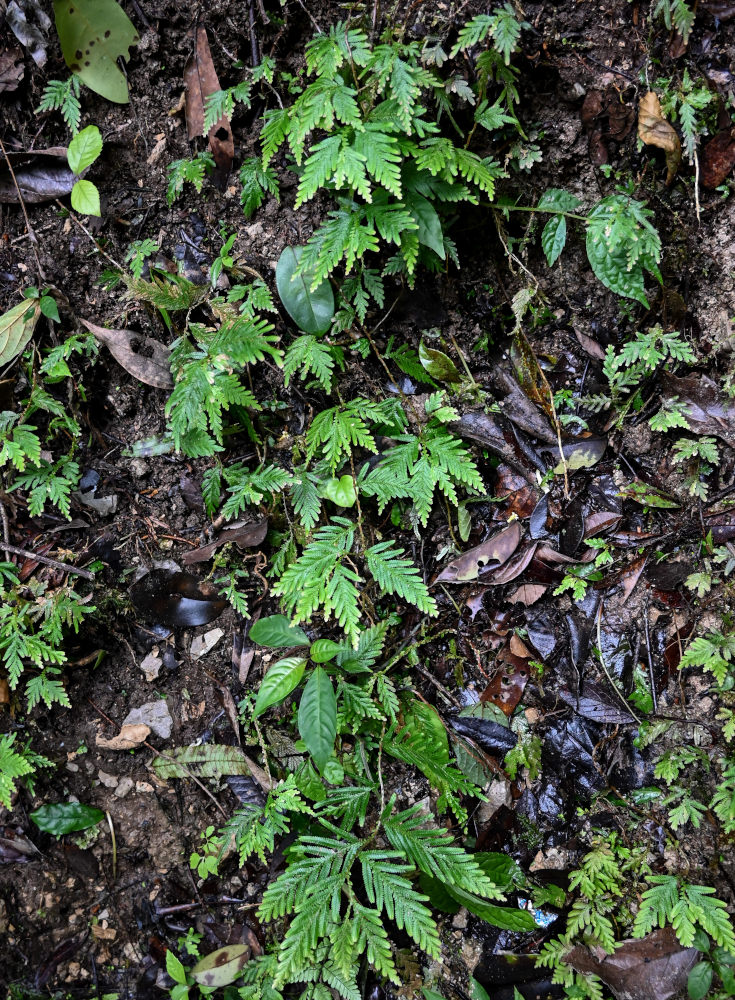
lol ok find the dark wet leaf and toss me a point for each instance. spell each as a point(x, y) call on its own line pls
point(59, 818)
point(247, 791)
point(200, 79)
point(718, 159)
point(487, 733)
point(485, 430)
point(143, 357)
point(655, 967)
point(62, 953)
point(176, 600)
point(520, 498)
point(580, 454)
point(707, 411)
point(539, 517)
point(310, 309)
point(276, 632)
point(513, 567)
point(597, 523)
point(246, 535)
point(597, 704)
point(512, 671)
point(30, 24)
point(15, 846)
point(569, 752)
point(491, 553)
point(519, 409)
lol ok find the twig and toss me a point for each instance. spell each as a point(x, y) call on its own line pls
point(650, 660)
point(6, 530)
point(437, 684)
point(47, 561)
point(31, 234)
point(114, 845)
point(89, 236)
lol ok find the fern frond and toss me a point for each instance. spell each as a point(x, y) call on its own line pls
point(396, 575)
point(386, 887)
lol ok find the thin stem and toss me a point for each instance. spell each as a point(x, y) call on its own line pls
point(27, 554)
point(531, 208)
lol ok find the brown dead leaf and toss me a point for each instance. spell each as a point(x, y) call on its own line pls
point(718, 158)
point(42, 175)
point(11, 69)
point(655, 967)
point(200, 79)
point(488, 555)
point(512, 671)
point(124, 346)
point(654, 130)
point(528, 593)
point(708, 412)
point(246, 535)
point(129, 737)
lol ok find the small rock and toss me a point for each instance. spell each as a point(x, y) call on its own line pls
point(72, 767)
point(125, 785)
point(154, 714)
point(139, 467)
point(151, 665)
point(142, 787)
point(460, 919)
point(108, 780)
point(203, 644)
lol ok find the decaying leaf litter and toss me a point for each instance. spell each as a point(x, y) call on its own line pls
point(503, 638)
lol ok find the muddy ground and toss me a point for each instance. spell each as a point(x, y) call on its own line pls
point(120, 917)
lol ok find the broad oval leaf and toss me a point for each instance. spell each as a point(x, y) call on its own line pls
point(324, 650)
point(58, 818)
point(16, 328)
point(311, 310)
point(699, 981)
point(430, 227)
point(438, 364)
point(93, 34)
point(84, 148)
point(279, 682)
point(276, 631)
point(318, 717)
point(221, 967)
point(85, 198)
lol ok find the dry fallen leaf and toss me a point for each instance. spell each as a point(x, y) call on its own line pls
point(482, 558)
point(654, 130)
point(124, 346)
point(128, 738)
point(41, 175)
point(200, 79)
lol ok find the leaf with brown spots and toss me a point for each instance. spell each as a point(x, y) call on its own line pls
point(221, 967)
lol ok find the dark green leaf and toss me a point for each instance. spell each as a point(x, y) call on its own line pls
point(430, 227)
point(66, 817)
point(503, 871)
point(557, 200)
point(553, 238)
point(318, 717)
point(324, 650)
point(279, 682)
point(311, 311)
point(49, 308)
point(438, 364)
point(276, 632)
point(478, 992)
point(699, 981)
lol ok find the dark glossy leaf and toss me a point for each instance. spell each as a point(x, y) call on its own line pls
point(490, 735)
point(276, 632)
point(597, 704)
point(176, 600)
point(438, 364)
point(66, 817)
point(311, 311)
point(430, 228)
point(699, 981)
point(707, 411)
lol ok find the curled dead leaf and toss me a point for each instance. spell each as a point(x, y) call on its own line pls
point(654, 130)
point(488, 555)
point(129, 737)
point(125, 345)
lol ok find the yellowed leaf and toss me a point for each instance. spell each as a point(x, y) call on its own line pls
point(654, 130)
point(128, 738)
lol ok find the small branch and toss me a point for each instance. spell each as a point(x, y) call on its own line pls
point(47, 561)
point(31, 233)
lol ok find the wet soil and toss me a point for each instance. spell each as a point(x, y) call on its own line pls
point(121, 906)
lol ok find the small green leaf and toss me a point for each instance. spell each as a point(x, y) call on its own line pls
point(85, 198)
point(477, 991)
point(430, 227)
point(84, 149)
point(279, 682)
point(500, 868)
point(175, 969)
point(276, 631)
point(221, 967)
point(553, 238)
point(431, 994)
point(699, 981)
point(49, 308)
point(438, 364)
point(66, 817)
point(340, 491)
point(93, 34)
point(318, 717)
point(324, 650)
point(16, 329)
point(311, 311)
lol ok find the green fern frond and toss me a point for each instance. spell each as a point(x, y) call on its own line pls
point(396, 575)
